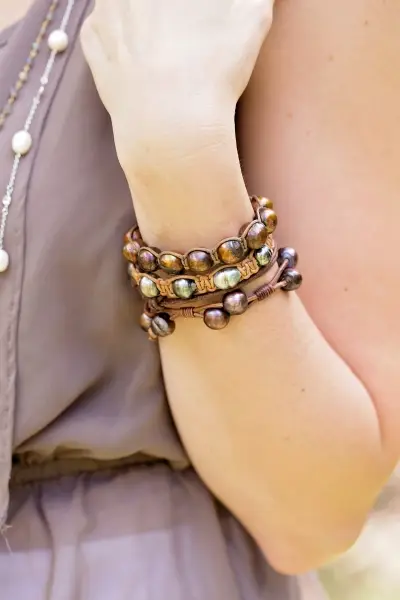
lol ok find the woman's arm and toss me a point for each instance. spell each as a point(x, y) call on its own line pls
point(275, 421)
point(319, 130)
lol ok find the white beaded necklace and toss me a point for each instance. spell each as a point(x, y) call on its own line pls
point(22, 140)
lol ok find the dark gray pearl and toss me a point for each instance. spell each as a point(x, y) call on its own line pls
point(288, 254)
point(235, 303)
point(215, 318)
point(162, 325)
point(292, 278)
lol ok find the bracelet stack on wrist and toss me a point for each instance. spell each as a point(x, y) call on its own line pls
point(204, 283)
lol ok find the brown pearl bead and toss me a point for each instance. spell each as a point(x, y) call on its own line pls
point(127, 238)
point(162, 326)
point(145, 322)
point(292, 278)
point(265, 202)
point(199, 261)
point(215, 318)
point(269, 218)
point(152, 336)
point(236, 303)
point(171, 264)
point(257, 236)
point(289, 255)
point(130, 251)
point(131, 271)
point(147, 260)
point(231, 252)
point(136, 235)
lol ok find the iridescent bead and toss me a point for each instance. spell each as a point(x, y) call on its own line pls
point(288, 254)
point(170, 263)
point(147, 260)
point(152, 336)
point(265, 202)
point(162, 326)
point(184, 288)
point(231, 252)
point(131, 271)
point(257, 236)
point(199, 261)
point(292, 278)
point(135, 234)
point(261, 202)
point(227, 278)
point(216, 318)
point(269, 218)
point(235, 303)
point(130, 251)
point(148, 288)
point(145, 322)
point(263, 256)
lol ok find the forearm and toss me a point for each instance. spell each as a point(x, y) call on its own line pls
point(275, 422)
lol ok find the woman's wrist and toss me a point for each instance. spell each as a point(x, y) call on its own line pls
point(189, 188)
point(172, 129)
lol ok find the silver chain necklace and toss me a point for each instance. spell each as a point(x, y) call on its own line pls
point(22, 140)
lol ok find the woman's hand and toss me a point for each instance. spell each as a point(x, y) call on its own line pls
point(159, 65)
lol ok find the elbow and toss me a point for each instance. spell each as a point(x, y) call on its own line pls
point(297, 555)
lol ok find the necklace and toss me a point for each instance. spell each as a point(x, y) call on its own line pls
point(24, 73)
point(22, 140)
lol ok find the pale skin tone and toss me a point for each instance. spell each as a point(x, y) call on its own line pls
point(290, 415)
point(10, 12)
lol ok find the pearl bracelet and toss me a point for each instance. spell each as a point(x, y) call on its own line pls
point(203, 283)
point(222, 278)
point(229, 251)
point(159, 316)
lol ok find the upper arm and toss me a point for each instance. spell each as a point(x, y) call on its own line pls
point(319, 132)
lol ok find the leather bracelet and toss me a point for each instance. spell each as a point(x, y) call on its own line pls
point(159, 317)
point(222, 278)
point(229, 251)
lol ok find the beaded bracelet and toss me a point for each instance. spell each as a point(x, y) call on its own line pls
point(191, 285)
point(229, 251)
point(222, 278)
point(158, 319)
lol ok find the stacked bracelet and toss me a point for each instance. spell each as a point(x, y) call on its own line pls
point(203, 283)
point(229, 251)
point(187, 286)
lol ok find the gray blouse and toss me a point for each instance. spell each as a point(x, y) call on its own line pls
point(78, 378)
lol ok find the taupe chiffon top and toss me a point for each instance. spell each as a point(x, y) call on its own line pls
point(78, 378)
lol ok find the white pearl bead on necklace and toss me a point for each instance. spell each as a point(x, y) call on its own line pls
point(21, 142)
point(58, 40)
point(4, 261)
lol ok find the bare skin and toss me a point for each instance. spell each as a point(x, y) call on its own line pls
point(320, 132)
point(277, 416)
point(10, 12)
point(300, 449)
